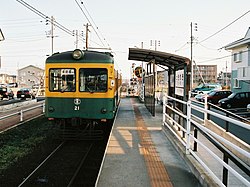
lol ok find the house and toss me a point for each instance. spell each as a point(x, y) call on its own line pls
point(30, 76)
point(240, 63)
point(6, 79)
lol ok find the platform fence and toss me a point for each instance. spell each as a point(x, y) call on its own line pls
point(212, 140)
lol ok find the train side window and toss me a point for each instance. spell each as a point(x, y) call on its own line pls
point(62, 80)
point(93, 79)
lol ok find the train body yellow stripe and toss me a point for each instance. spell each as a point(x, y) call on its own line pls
point(111, 76)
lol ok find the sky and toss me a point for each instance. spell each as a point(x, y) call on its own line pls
point(121, 25)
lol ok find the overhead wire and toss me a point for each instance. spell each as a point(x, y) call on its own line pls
point(55, 23)
point(181, 48)
point(91, 21)
point(214, 59)
point(94, 23)
point(225, 27)
point(219, 58)
point(208, 48)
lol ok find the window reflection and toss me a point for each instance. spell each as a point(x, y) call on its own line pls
point(93, 80)
point(62, 80)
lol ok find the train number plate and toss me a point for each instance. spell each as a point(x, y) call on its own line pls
point(77, 107)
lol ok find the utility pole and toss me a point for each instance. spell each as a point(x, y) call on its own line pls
point(75, 32)
point(76, 39)
point(155, 44)
point(155, 67)
point(87, 35)
point(52, 35)
point(191, 58)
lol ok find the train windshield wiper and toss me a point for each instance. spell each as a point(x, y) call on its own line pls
point(91, 91)
point(64, 89)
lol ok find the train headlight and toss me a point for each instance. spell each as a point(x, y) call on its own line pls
point(103, 110)
point(51, 109)
point(77, 54)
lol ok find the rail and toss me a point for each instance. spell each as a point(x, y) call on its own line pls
point(185, 126)
point(21, 112)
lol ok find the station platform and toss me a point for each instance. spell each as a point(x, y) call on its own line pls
point(140, 154)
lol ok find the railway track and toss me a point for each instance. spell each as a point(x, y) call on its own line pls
point(64, 165)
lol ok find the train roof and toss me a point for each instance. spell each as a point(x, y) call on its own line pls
point(88, 57)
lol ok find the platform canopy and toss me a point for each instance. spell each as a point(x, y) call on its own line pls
point(178, 68)
point(161, 58)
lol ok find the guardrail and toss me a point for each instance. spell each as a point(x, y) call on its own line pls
point(21, 112)
point(184, 125)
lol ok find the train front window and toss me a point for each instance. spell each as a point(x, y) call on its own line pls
point(62, 80)
point(93, 80)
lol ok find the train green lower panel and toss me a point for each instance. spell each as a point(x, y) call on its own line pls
point(80, 108)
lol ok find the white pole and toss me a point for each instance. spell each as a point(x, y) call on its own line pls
point(206, 108)
point(188, 126)
point(21, 115)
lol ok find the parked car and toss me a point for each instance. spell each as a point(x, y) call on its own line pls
point(235, 100)
point(205, 88)
point(6, 92)
point(216, 95)
point(12, 85)
point(248, 107)
point(24, 93)
point(3, 85)
point(199, 97)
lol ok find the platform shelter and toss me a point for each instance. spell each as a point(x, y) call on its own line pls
point(179, 71)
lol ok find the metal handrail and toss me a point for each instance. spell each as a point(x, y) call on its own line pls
point(229, 114)
point(22, 111)
point(216, 139)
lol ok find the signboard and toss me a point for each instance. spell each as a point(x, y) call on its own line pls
point(179, 83)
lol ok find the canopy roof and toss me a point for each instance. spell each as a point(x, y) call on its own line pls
point(162, 58)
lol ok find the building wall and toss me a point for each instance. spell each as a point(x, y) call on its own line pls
point(208, 73)
point(224, 78)
point(240, 63)
point(248, 56)
point(244, 62)
point(5, 78)
point(239, 84)
point(29, 76)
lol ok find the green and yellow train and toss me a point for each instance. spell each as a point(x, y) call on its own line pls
point(81, 87)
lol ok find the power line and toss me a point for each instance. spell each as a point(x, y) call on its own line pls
point(181, 48)
point(214, 59)
point(94, 23)
point(219, 58)
point(91, 22)
point(56, 24)
point(207, 47)
point(225, 27)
